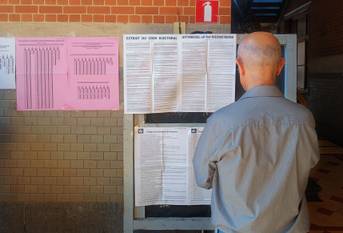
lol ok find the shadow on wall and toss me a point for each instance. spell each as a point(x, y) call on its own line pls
point(325, 101)
point(60, 218)
point(7, 103)
point(18, 215)
point(8, 117)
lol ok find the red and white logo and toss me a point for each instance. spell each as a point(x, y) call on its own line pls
point(207, 11)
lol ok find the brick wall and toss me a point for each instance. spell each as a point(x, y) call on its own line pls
point(60, 171)
point(110, 11)
point(63, 171)
point(59, 156)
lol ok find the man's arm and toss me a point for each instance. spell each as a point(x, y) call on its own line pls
point(307, 152)
point(204, 161)
point(313, 146)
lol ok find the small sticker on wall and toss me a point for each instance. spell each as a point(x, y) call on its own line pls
point(207, 11)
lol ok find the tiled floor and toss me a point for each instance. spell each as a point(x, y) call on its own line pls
point(326, 216)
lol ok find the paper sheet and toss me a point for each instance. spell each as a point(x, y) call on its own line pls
point(163, 167)
point(194, 72)
point(148, 166)
point(165, 74)
point(41, 71)
point(7, 63)
point(178, 73)
point(93, 73)
point(67, 74)
point(199, 196)
point(138, 75)
point(221, 73)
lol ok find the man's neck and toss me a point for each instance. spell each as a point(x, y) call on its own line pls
point(252, 85)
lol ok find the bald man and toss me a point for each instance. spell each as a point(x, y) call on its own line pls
point(256, 154)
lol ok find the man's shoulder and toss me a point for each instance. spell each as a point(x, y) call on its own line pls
point(227, 115)
point(243, 111)
point(225, 111)
point(298, 111)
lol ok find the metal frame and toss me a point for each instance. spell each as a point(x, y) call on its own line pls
point(134, 217)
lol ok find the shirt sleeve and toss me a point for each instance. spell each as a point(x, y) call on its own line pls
point(313, 146)
point(204, 160)
point(308, 147)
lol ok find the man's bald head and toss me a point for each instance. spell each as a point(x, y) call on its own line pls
point(260, 48)
point(259, 59)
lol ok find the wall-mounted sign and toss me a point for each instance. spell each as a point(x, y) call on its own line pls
point(178, 73)
point(207, 11)
point(59, 73)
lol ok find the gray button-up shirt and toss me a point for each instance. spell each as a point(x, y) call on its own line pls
point(256, 155)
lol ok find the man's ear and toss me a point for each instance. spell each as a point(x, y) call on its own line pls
point(240, 66)
point(280, 66)
point(242, 71)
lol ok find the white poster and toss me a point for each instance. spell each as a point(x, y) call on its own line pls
point(179, 73)
point(7, 63)
point(164, 169)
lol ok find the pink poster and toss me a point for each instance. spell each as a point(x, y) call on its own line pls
point(67, 74)
point(93, 73)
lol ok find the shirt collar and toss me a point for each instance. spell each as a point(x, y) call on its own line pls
point(262, 91)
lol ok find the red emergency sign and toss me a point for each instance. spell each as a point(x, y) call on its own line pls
point(206, 11)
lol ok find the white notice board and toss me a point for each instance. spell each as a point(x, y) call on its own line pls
point(163, 167)
point(178, 73)
point(7, 63)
